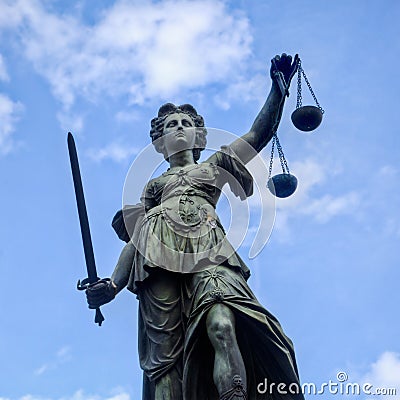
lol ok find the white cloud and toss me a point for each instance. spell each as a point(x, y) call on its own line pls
point(79, 395)
point(70, 122)
point(3, 71)
point(384, 373)
point(62, 356)
point(327, 207)
point(11, 14)
point(127, 116)
point(9, 113)
point(41, 370)
point(391, 226)
point(33, 397)
point(304, 202)
point(140, 49)
point(64, 352)
point(113, 151)
point(383, 194)
point(252, 89)
point(311, 174)
point(121, 396)
point(386, 370)
point(388, 171)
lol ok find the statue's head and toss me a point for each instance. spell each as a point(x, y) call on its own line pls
point(192, 119)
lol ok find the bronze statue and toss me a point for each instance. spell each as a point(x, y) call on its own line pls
point(202, 333)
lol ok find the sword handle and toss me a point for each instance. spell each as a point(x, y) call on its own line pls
point(98, 319)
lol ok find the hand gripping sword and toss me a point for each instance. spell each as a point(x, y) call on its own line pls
point(84, 222)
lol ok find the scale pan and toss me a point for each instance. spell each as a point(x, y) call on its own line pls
point(282, 185)
point(307, 118)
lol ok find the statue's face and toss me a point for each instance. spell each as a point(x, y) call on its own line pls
point(179, 133)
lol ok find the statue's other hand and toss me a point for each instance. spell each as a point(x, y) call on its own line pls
point(285, 64)
point(100, 292)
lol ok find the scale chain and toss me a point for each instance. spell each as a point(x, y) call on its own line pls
point(282, 159)
point(271, 161)
point(300, 71)
point(299, 97)
point(312, 91)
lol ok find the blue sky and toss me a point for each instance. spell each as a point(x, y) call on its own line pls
point(101, 69)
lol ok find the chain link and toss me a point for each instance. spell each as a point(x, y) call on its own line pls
point(300, 71)
point(271, 161)
point(312, 91)
point(299, 97)
point(282, 159)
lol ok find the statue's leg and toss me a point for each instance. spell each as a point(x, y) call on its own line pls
point(169, 386)
point(161, 334)
point(229, 370)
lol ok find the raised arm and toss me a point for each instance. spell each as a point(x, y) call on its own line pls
point(267, 120)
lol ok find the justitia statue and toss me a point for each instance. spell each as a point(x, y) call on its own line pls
point(202, 333)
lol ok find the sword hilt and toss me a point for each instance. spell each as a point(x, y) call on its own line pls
point(85, 284)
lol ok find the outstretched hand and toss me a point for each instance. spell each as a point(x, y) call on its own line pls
point(285, 65)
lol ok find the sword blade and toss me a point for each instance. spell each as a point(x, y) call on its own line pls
point(81, 205)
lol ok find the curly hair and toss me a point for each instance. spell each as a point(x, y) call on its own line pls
point(157, 127)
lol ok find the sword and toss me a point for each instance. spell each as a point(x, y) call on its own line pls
point(84, 223)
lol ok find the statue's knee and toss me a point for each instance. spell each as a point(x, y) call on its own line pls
point(221, 324)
